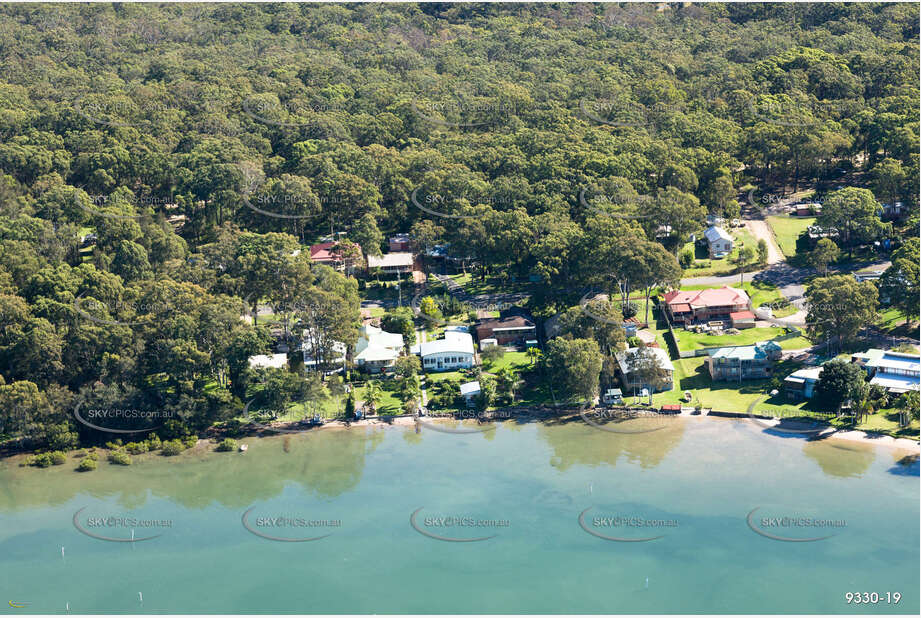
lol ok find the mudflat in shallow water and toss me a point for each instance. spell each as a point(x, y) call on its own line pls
point(710, 495)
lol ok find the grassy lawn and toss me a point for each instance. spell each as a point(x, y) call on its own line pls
point(514, 360)
point(892, 321)
point(474, 285)
point(688, 340)
point(390, 403)
point(887, 421)
point(787, 229)
point(387, 291)
point(691, 374)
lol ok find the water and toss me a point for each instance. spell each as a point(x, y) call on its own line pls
point(704, 475)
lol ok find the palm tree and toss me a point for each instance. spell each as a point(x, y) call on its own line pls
point(506, 382)
point(908, 408)
point(534, 355)
point(373, 395)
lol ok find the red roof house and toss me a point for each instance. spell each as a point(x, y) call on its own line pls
point(687, 306)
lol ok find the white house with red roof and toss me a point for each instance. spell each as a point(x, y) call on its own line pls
point(725, 303)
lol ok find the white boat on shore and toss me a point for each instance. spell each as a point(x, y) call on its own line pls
point(243, 448)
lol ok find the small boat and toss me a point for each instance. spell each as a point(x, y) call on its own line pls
point(243, 448)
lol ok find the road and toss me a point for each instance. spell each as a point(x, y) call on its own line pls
point(760, 230)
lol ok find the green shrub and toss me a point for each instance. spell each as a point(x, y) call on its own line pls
point(686, 259)
point(58, 458)
point(42, 460)
point(120, 457)
point(190, 441)
point(113, 446)
point(171, 448)
point(136, 448)
point(154, 443)
point(227, 444)
point(86, 464)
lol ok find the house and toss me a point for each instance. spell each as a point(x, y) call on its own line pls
point(268, 361)
point(719, 242)
point(454, 351)
point(742, 319)
point(747, 362)
point(817, 232)
point(400, 243)
point(715, 220)
point(897, 372)
point(391, 263)
point(324, 253)
point(506, 330)
point(807, 210)
point(801, 383)
point(629, 361)
point(329, 355)
point(869, 275)
point(469, 392)
point(688, 306)
point(376, 349)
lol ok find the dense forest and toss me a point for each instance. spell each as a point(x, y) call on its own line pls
point(161, 166)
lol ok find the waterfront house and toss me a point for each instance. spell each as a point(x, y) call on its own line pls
point(690, 306)
point(631, 361)
point(454, 351)
point(748, 362)
point(719, 242)
point(328, 356)
point(377, 349)
point(801, 383)
point(897, 372)
point(506, 330)
point(469, 392)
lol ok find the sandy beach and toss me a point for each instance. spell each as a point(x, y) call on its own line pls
point(803, 428)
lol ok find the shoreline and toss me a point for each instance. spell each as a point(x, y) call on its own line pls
point(796, 428)
point(825, 433)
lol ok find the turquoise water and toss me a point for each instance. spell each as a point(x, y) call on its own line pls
point(700, 476)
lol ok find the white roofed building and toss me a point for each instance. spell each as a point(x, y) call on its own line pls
point(377, 349)
point(719, 242)
point(897, 372)
point(391, 263)
point(454, 351)
point(268, 361)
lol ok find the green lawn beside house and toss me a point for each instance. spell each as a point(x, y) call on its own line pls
point(787, 229)
point(514, 360)
point(689, 340)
